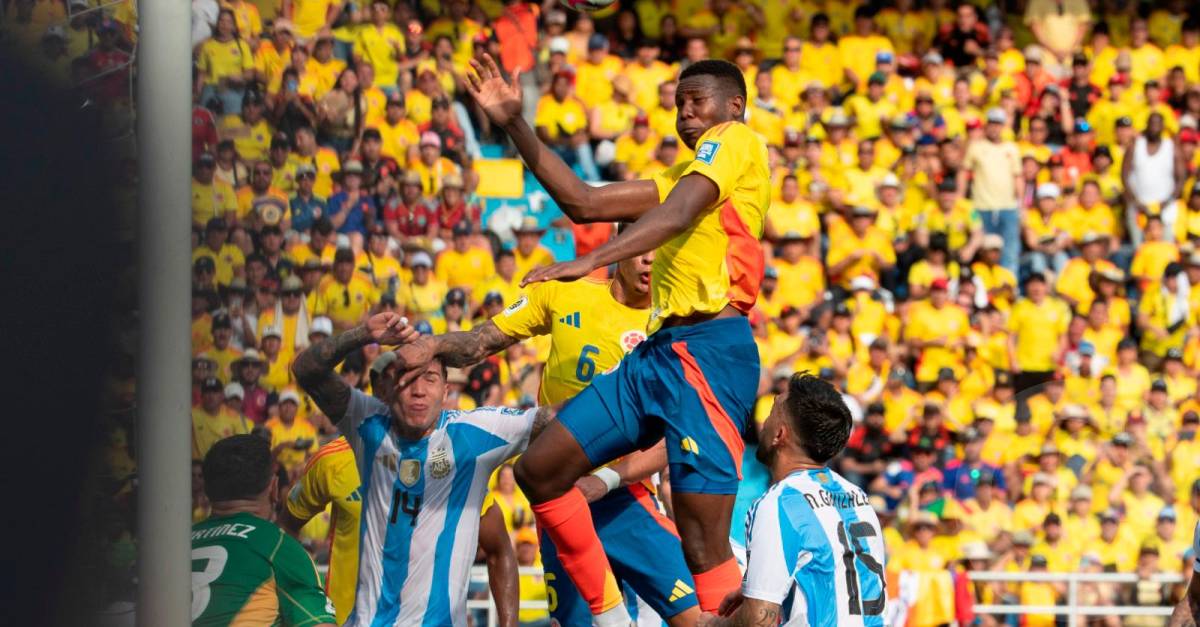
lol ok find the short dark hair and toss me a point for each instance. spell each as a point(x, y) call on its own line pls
point(724, 72)
point(819, 416)
point(237, 468)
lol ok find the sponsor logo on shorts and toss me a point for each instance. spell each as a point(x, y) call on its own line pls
point(680, 591)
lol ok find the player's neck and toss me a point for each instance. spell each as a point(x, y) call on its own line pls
point(627, 297)
point(256, 507)
point(786, 464)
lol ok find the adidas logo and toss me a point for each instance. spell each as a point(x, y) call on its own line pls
point(681, 590)
point(689, 446)
point(571, 319)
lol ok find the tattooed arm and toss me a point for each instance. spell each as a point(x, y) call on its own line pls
point(750, 613)
point(314, 367)
point(458, 349)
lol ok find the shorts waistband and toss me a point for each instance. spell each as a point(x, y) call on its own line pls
point(729, 330)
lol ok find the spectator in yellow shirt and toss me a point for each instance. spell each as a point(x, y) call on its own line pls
point(348, 298)
point(211, 198)
point(859, 49)
point(381, 43)
point(1038, 327)
point(561, 122)
point(865, 250)
point(936, 331)
point(422, 296)
point(211, 421)
point(635, 150)
point(463, 265)
point(225, 65)
point(529, 252)
point(293, 439)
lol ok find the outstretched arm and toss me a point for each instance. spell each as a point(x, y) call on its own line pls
point(628, 470)
point(313, 368)
point(691, 196)
point(582, 203)
point(501, 565)
point(457, 349)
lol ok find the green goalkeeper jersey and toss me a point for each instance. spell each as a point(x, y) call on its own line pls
point(247, 571)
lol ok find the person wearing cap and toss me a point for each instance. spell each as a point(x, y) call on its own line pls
point(274, 52)
point(1047, 231)
point(1089, 213)
point(423, 295)
point(917, 555)
point(293, 439)
point(997, 183)
point(277, 375)
point(529, 253)
point(987, 512)
point(1059, 29)
point(211, 421)
point(226, 259)
point(234, 397)
point(348, 298)
point(865, 379)
point(613, 117)
point(1181, 385)
point(289, 318)
point(561, 122)
point(453, 208)
point(211, 198)
point(453, 313)
point(399, 136)
point(1001, 285)
point(1160, 415)
point(408, 215)
point(1074, 283)
point(249, 131)
point(870, 110)
point(248, 371)
point(305, 207)
point(223, 352)
point(1032, 510)
point(1141, 505)
point(352, 208)
point(935, 331)
point(868, 448)
point(635, 150)
point(862, 249)
point(431, 166)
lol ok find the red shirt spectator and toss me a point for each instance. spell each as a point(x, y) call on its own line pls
point(204, 132)
point(517, 32)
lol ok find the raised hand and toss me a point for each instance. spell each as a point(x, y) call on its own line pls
point(564, 271)
point(500, 100)
point(390, 329)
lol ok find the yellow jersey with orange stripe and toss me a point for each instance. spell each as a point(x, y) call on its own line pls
point(331, 479)
point(590, 332)
point(717, 261)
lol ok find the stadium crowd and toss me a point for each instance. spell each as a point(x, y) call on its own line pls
point(984, 231)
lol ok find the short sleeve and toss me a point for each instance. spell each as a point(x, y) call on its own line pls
point(309, 496)
point(529, 315)
point(768, 577)
point(545, 113)
point(512, 426)
point(302, 600)
point(360, 408)
point(665, 179)
point(723, 154)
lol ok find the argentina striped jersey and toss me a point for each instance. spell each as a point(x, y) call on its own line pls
point(814, 547)
point(421, 506)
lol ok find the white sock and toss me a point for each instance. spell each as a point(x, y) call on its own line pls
point(615, 617)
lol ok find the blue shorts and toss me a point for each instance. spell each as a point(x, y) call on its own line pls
point(643, 550)
point(695, 385)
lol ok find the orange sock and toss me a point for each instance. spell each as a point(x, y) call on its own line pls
point(568, 522)
point(715, 583)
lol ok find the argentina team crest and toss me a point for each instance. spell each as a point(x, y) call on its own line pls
point(410, 472)
point(439, 463)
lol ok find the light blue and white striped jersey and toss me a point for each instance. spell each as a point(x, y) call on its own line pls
point(420, 509)
point(814, 546)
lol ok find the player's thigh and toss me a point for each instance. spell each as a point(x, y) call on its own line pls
point(643, 548)
point(716, 386)
point(551, 464)
point(567, 606)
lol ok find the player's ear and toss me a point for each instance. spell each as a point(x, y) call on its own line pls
point(737, 107)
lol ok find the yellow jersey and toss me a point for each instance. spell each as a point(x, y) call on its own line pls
point(590, 332)
point(717, 260)
point(331, 479)
point(465, 269)
point(346, 305)
point(208, 429)
point(300, 429)
point(382, 48)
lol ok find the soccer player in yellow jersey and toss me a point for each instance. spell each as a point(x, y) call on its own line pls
point(592, 324)
point(703, 218)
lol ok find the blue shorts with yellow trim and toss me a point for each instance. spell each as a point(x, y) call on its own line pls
point(695, 385)
point(643, 550)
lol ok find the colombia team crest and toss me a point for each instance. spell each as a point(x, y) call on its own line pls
point(439, 463)
point(630, 339)
point(410, 472)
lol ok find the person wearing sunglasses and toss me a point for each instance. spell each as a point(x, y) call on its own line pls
point(348, 298)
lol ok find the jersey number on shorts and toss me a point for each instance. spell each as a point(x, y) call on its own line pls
point(586, 368)
point(401, 503)
point(214, 558)
point(852, 553)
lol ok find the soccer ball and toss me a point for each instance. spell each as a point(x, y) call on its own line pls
point(586, 5)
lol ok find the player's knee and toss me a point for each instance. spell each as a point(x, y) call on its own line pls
point(538, 480)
